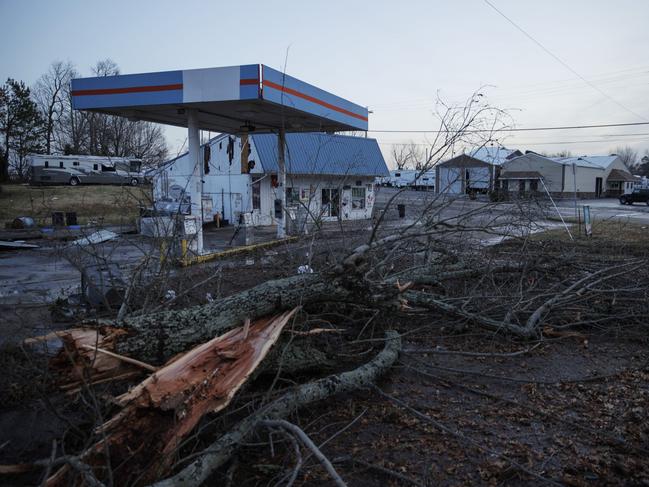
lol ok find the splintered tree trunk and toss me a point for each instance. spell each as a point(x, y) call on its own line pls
point(161, 411)
point(219, 452)
point(156, 337)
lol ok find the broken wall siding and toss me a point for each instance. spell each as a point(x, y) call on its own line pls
point(310, 188)
point(231, 192)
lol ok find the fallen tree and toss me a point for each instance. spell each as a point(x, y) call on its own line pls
point(220, 452)
point(157, 337)
point(159, 412)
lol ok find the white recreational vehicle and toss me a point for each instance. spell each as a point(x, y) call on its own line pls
point(402, 178)
point(75, 170)
point(425, 180)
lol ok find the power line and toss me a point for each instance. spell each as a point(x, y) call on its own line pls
point(528, 129)
point(579, 142)
point(563, 63)
point(523, 92)
point(607, 138)
point(520, 144)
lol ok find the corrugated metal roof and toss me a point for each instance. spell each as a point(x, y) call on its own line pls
point(492, 155)
point(321, 153)
point(600, 162)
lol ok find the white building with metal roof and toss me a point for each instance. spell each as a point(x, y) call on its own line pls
point(328, 177)
point(587, 176)
point(472, 172)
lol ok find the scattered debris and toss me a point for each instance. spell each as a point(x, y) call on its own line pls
point(304, 269)
point(103, 285)
point(23, 222)
point(98, 237)
point(18, 244)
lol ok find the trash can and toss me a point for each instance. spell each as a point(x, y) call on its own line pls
point(22, 222)
point(71, 218)
point(402, 211)
point(58, 219)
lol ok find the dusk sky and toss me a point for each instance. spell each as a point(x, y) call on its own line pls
point(391, 56)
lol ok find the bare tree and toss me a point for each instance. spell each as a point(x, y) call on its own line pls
point(72, 126)
point(70, 131)
point(561, 153)
point(50, 93)
point(642, 168)
point(407, 156)
point(628, 155)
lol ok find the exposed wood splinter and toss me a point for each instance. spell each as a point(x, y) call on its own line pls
point(404, 287)
point(128, 360)
point(163, 409)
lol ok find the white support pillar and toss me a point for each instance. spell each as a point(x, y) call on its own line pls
point(195, 187)
point(281, 180)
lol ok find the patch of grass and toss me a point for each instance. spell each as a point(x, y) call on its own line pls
point(107, 204)
point(621, 232)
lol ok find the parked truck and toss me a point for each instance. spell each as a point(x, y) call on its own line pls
point(75, 170)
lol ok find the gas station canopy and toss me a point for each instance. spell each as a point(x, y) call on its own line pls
point(234, 99)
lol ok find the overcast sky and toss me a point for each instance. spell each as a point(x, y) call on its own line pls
point(393, 56)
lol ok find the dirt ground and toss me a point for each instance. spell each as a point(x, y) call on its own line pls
point(110, 204)
point(572, 410)
point(567, 410)
point(574, 414)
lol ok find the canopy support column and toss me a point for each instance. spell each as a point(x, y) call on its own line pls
point(281, 180)
point(195, 187)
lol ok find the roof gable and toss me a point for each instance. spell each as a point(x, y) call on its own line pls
point(463, 160)
point(599, 162)
point(494, 155)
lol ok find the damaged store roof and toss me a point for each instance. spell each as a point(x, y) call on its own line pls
point(315, 153)
point(320, 153)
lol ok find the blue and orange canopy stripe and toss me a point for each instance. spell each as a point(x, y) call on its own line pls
point(219, 93)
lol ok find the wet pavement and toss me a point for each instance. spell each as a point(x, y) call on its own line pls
point(52, 271)
point(40, 276)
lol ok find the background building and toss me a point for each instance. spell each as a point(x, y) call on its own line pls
point(476, 171)
point(588, 176)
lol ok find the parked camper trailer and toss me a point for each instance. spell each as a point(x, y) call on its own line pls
point(425, 181)
point(75, 170)
point(401, 178)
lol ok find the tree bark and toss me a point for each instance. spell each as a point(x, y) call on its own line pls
point(156, 337)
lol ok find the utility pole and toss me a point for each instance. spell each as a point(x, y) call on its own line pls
point(574, 188)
